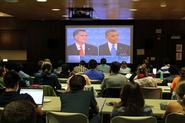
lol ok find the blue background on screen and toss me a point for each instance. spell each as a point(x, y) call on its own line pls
point(96, 37)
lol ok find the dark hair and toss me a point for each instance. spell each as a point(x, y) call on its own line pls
point(11, 78)
point(92, 64)
point(103, 61)
point(180, 91)
point(82, 62)
point(77, 31)
point(20, 111)
point(18, 67)
point(2, 70)
point(77, 82)
point(108, 31)
point(132, 99)
point(174, 70)
point(115, 67)
point(182, 74)
point(141, 72)
point(47, 67)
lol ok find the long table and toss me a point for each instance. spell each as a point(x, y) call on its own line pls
point(53, 103)
point(153, 103)
point(97, 87)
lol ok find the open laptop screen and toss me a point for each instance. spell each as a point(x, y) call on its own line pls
point(37, 94)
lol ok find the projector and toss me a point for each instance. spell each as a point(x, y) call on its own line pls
point(86, 12)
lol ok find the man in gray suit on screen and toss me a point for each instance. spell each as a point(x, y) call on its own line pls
point(80, 47)
point(113, 47)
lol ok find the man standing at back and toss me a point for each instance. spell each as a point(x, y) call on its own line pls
point(80, 47)
point(113, 47)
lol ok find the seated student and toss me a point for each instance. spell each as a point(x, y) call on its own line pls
point(174, 72)
point(80, 68)
point(115, 80)
point(103, 66)
point(19, 111)
point(11, 80)
point(3, 71)
point(173, 107)
point(179, 106)
point(77, 100)
point(92, 73)
point(132, 102)
point(47, 77)
point(180, 93)
point(143, 79)
point(124, 68)
point(87, 86)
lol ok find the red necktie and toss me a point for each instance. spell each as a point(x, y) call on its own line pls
point(81, 51)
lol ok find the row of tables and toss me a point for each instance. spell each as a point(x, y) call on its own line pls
point(52, 103)
point(97, 87)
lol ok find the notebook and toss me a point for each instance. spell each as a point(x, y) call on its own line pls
point(36, 93)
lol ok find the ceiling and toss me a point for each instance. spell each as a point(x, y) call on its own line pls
point(103, 9)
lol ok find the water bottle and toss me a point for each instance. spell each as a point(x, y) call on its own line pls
point(161, 75)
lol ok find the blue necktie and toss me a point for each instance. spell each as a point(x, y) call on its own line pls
point(113, 50)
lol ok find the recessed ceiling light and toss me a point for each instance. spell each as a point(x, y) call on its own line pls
point(130, 18)
point(41, 0)
point(163, 4)
point(5, 15)
point(65, 16)
point(55, 10)
point(133, 10)
point(135, 0)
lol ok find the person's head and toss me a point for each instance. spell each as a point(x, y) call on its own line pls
point(20, 111)
point(3, 71)
point(174, 70)
point(11, 80)
point(92, 64)
point(47, 60)
point(124, 64)
point(82, 62)
point(173, 107)
point(141, 72)
point(103, 61)
point(18, 67)
point(132, 98)
point(180, 92)
point(39, 64)
point(77, 82)
point(182, 73)
point(115, 67)
point(112, 36)
point(46, 68)
point(80, 36)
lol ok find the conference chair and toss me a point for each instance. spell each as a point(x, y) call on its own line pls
point(1, 111)
point(48, 90)
point(111, 92)
point(175, 118)
point(64, 117)
point(133, 119)
point(152, 92)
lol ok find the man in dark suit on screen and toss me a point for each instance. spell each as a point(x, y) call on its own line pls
point(113, 47)
point(80, 47)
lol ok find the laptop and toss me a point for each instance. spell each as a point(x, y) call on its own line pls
point(36, 93)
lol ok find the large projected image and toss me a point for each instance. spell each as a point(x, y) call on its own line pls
point(95, 42)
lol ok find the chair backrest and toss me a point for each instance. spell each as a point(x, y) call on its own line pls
point(152, 92)
point(175, 118)
point(48, 90)
point(1, 111)
point(111, 92)
point(64, 117)
point(133, 119)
